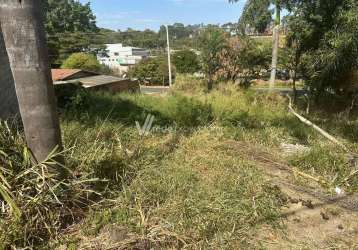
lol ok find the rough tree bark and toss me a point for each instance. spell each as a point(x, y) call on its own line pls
point(24, 36)
point(275, 46)
point(8, 100)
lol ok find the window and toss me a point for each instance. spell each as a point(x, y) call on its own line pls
point(116, 53)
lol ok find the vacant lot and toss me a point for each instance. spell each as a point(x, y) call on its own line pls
point(225, 170)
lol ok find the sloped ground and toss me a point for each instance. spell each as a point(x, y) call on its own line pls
point(210, 175)
point(212, 192)
point(313, 219)
point(228, 185)
point(200, 196)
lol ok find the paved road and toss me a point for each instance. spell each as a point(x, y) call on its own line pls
point(164, 89)
point(153, 89)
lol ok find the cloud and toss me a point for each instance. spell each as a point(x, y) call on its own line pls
point(147, 20)
point(117, 16)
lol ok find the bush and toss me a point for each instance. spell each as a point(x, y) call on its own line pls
point(71, 96)
point(82, 61)
point(326, 44)
point(152, 71)
point(186, 62)
point(243, 60)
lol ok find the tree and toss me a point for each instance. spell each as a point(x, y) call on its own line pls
point(70, 27)
point(152, 71)
point(326, 35)
point(24, 37)
point(68, 16)
point(212, 42)
point(186, 62)
point(8, 100)
point(256, 14)
point(82, 61)
point(254, 7)
point(243, 60)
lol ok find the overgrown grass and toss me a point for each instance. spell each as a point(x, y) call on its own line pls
point(177, 187)
point(198, 197)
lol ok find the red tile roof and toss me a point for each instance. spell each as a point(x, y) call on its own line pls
point(62, 74)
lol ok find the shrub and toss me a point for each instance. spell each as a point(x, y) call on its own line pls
point(243, 59)
point(186, 62)
point(71, 96)
point(82, 61)
point(152, 71)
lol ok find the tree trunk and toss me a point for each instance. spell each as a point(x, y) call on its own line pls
point(24, 37)
point(8, 100)
point(275, 46)
point(294, 79)
point(210, 83)
point(294, 87)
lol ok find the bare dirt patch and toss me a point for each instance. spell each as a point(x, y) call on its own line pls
point(313, 217)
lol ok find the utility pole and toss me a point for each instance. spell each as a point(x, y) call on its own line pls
point(169, 60)
point(275, 47)
point(24, 37)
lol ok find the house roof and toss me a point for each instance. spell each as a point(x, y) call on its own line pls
point(93, 81)
point(63, 74)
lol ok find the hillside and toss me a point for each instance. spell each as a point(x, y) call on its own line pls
point(213, 172)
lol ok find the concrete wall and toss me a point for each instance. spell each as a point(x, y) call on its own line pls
point(8, 100)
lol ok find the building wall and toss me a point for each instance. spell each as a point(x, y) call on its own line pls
point(8, 99)
point(120, 86)
point(124, 86)
point(120, 57)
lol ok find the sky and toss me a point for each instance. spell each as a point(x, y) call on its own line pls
point(143, 14)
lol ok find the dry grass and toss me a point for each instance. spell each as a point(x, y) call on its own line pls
point(200, 196)
point(183, 186)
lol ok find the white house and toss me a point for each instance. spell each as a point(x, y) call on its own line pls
point(121, 58)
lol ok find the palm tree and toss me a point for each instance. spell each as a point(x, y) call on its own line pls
point(24, 37)
point(257, 9)
point(8, 100)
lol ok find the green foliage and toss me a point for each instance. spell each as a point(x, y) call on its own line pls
point(148, 39)
point(71, 96)
point(256, 14)
point(244, 59)
point(187, 199)
point(63, 45)
point(186, 62)
point(189, 112)
point(153, 71)
point(182, 185)
point(69, 16)
point(39, 203)
point(82, 61)
point(181, 37)
point(333, 166)
point(325, 33)
point(67, 22)
point(189, 84)
point(212, 43)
